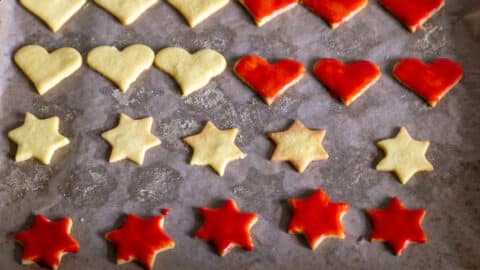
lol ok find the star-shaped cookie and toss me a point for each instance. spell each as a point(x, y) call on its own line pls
point(126, 11)
point(37, 138)
point(404, 156)
point(397, 225)
point(214, 147)
point(47, 241)
point(299, 145)
point(226, 227)
point(55, 13)
point(317, 218)
point(131, 139)
point(140, 239)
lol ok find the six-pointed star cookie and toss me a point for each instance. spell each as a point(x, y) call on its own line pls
point(47, 241)
point(214, 147)
point(227, 227)
point(404, 156)
point(299, 145)
point(131, 139)
point(37, 138)
point(140, 239)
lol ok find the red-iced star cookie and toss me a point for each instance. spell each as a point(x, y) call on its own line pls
point(268, 80)
point(47, 241)
point(397, 226)
point(335, 12)
point(431, 82)
point(346, 82)
point(140, 239)
point(317, 218)
point(227, 227)
point(412, 13)
point(263, 11)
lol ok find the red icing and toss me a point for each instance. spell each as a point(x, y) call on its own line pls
point(46, 241)
point(346, 82)
point(265, 8)
point(165, 211)
point(412, 13)
point(227, 227)
point(268, 80)
point(431, 82)
point(397, 225)
point(335, 11)
point(317, 217)
point(140, 239)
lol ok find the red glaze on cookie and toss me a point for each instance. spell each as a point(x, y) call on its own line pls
point(268, 80)
point(227, 227)
point(263, 10)
point(412, 13)
point(431, 82)
point(46, 241)
point(346, 82)
point(140, 239)
point(317, 217)
point(397, 226)
point(335, 12)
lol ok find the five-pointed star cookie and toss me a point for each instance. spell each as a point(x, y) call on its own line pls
point(37, 138)
point(47, 241)
point(131, 139)
point(140, 239)
point(227, 227)
point(299, 145)
point(404, 156)
point(214, 147)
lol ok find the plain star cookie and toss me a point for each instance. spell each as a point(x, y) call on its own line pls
point(214, 147)
point(227, 227)
point(404, 156)
point(265, 10)
point(196, 12)
point(299, 145)
point(412, 13)
point(126, 11)
point(37, 138)
point(131, 139)
point(121, 67)
point(140, 239)
point(191, 71)
point(397, 225)
point(55, 13)
point(335, 12)
point(44, 69)
point(47, 241)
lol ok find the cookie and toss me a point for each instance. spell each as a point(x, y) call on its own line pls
point(335, 12)
point(412, 13)
point(126, 11)
point(265, 10)
point(196, 12)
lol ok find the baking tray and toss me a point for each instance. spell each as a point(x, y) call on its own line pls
point(82, 184)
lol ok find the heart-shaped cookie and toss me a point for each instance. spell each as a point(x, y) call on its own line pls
point(412, 13)
point(265, 10)
point(431, 82)
point(45, 69)
point(126, 11)
point(191, 71)
point(54, 13)
point(268, 80)
point(196, 12)
point(346, 82)
point(121, 67)
point(335, 12)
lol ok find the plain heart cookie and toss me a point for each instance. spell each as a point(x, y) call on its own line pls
point(45, 69)
point(196, 12)
point(55, 13)
point(126, 11)
point(191, 71)
point(346, 82)
point(121, 67)
point(412, 13)
point(335, 12)
point(265, 10)
point(432, 81)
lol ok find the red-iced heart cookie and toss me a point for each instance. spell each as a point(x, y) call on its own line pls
point(412, 13)
point(431, 82)
point(268, 80)
point(346, 82)
point(264, 10)
point(335, 12)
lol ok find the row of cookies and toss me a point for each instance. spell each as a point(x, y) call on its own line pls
point(194, 71)
point(56, 13)
point(140, 239)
